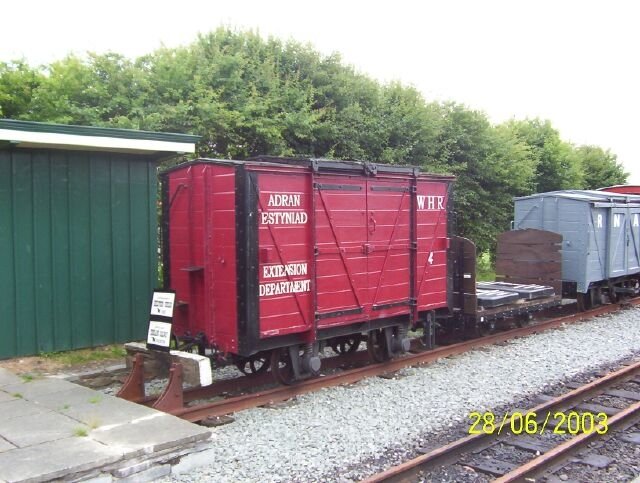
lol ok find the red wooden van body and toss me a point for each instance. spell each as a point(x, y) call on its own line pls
point(265, 254)
point(625, 189)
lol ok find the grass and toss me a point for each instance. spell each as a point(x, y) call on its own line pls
point(94, 423)
point(82, 356)
point(17, 395)
point(485, 271)
point(27, 377)
point(95, 399)
point(81, 432)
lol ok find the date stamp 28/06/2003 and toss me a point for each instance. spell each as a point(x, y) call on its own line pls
point(559, 422)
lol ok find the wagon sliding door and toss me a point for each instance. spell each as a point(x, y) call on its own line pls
point(341, 259)
point(389, 246)
point(432, 244)
point(284, 252)
point(618, 233)
point(633, 244)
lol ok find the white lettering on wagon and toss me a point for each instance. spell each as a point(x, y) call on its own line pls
point(284, 287)
point(283, 199)
point(617, 220)
point(432, 202)
point(278, 271)
point(283, 217)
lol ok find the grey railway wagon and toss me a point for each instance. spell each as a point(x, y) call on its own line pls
point(600, 230)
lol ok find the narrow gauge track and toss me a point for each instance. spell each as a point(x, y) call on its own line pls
point(174, 397)
point(550, 458)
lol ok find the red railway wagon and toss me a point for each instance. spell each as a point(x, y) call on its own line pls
point(273, 258)
point(625, 189)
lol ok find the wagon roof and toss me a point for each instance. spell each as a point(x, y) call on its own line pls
point(586, 195)
point(320, 164)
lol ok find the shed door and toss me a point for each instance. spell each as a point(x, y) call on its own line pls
point(341, 239)
point(618, 231)
point(388, 231)
point(633, 243)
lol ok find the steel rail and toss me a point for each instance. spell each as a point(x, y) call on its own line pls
point(246, 383)
point(540, 464)
point(449, 453)
point(282, 393)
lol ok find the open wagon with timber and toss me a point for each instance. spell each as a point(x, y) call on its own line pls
point(271, 259)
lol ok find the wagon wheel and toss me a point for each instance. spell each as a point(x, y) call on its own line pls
point(195, 346)
point(584, 301)
point(256, 364)
point(522, 320)
point(173, 342)
point(377, 345)
point(613, 296)
point(346, 345)
point(483, 329)
point(282, 366)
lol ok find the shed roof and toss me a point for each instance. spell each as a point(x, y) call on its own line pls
point(29, 134)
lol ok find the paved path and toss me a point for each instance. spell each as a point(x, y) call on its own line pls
point(53, 429)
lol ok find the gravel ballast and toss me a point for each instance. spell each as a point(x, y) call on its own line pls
point(321, 433)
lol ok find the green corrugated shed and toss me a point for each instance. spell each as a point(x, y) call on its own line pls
point(78, 234)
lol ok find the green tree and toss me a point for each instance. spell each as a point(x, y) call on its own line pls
point(249, 96)
point(600, 168)
point(18, 84)
point(492, 166)
point(557, 165)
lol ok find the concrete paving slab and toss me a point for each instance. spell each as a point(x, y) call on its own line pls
point(56, 459)
point(5, 445)
point(69, 398)
point(156, 433)
point(6, 396)
point(8, 377)
point(37, 429)
point(39, 438)
point(19, 408)
point(108, 411)
point(38, 388)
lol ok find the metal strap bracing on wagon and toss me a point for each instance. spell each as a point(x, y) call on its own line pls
point(388, 248)
point(634, 241)
point(278, 250)
point(337, 187)
point(190, 226)
point(339, 313)
point(180, 187)
point(342, 259)
point(399, 189)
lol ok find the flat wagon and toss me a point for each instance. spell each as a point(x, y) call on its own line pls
point(271, 258)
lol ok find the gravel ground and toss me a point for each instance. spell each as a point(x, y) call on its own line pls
point(346, 433)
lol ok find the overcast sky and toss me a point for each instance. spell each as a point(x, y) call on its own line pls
point(572, 62)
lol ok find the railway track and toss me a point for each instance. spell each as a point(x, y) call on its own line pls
point(528, 434)
point(174, 399)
